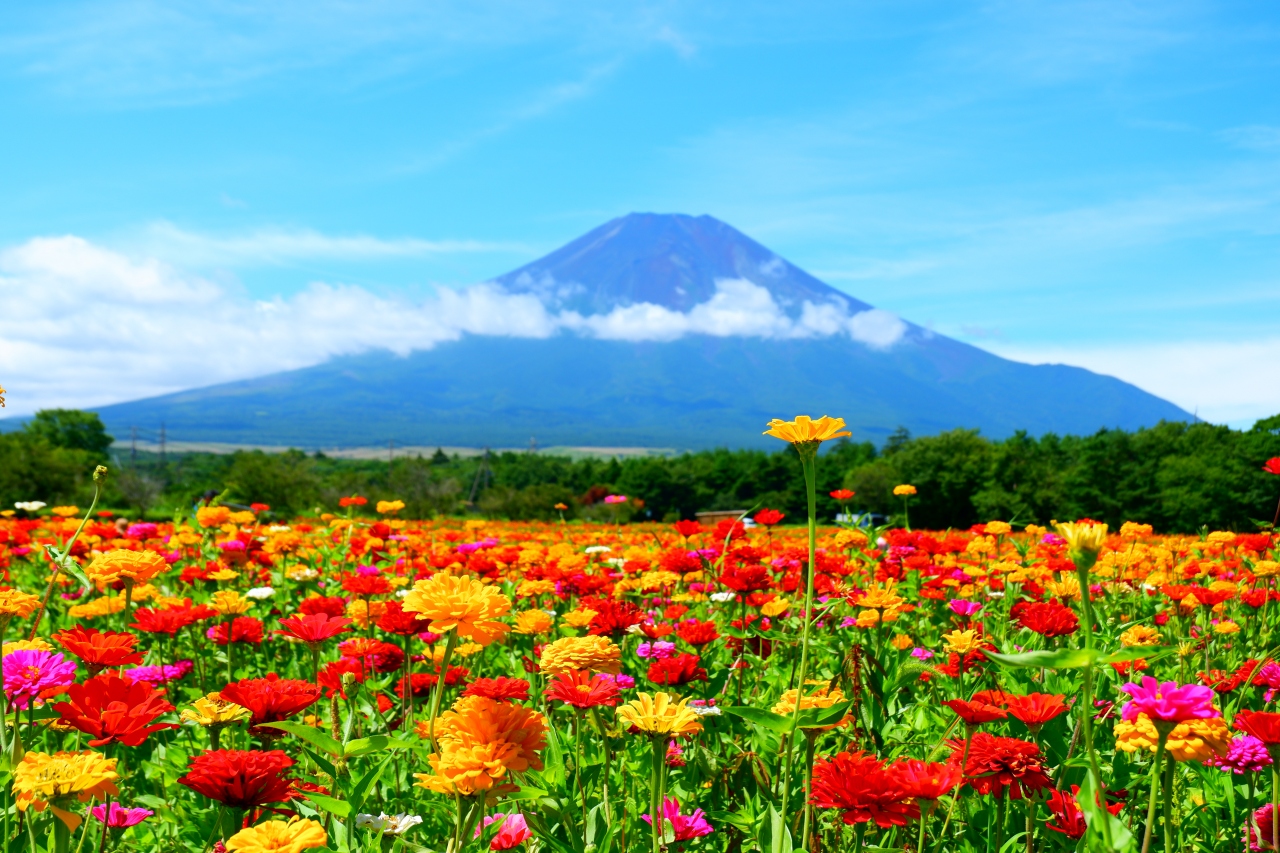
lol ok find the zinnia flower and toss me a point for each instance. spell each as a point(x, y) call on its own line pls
point(1264, 725)
point(860, 786)
point(31, 674)
point(271, 699)
point(684, 827)
point(1197, 739)
point(1036, 709)
point(501, 688)
point(313, 628)
point(136, 567)
point(462, 604)
point(1002, 763)
point(112, 708)
point(1166, 702)
point(594, 654)
point(242, 779)
point(1048, 619)
point(99, 649)
point(55, 781)
point(481, 744)
point(513, 830)
point(119, 816)
point(924, 780)
point(242, 629)
point(659, 715)
point(15, 602)
point(676, 671)
point(583, 690)
point(805, 430)
point(278, 836)
point(975, 713)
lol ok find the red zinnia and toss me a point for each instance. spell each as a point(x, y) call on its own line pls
point(1068, 817)
point(697, 633)
point(613, 618)
point(271, 699)
point(1272, 466)
point(424, 683)
point(1049, 619)
point(396, 620)
point(975, 713)
point(330, 677)
point(688, 528)
point(99, 649)
point(1001, 763)
point(924, 780)
point(354, 500)
point(676, 670)
point(314, 628)
point(242, 779)
point(358, 584)
point(169, 621)
point(1264, 725)
point(500, 689)
point(842, 494)
point(242, 629)
point(378, 655)
point(582, 690)
point(1036, 709)
point(746, 578)
point(112, 708)
point(768, 517)
point(860, 785)
point(331, 604)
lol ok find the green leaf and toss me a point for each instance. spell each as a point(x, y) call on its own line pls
point(331, 805)
point(776, 836)
point(376, 743)
point(357, 792)
point(1138, 653)
point(311, 735)
point(1095, 817)
point(1059, 659)
point(816, 718)
point(761, 717)
point(553, 760)
point(527, 793)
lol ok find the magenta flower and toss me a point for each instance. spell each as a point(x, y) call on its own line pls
point(964, 608)
point(157, 675)
point(657, 650)
point(513, 832)
point(1246, 754)
point(29, 672)
point(120, 816)
point(615, 499)
point(687, 826)
point(921, 654)
point(1167, 702)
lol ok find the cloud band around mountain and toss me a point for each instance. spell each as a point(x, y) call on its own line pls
point(85, 325)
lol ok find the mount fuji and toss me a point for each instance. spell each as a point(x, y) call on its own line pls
point(652, 330)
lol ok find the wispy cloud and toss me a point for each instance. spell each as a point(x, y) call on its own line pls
point(1255, 137)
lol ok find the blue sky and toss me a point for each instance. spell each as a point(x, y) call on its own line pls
point(1096, 183)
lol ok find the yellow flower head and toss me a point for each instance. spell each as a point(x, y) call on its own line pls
point(578, 618)
point(776, 607)
point(279, 836)
point(904, 489)
point(1133, 530)
point(481, 743)
point(1193, 740)
point(224, 574)
point(1226, 626)
point(103, 606)
point(823, 697)
point(228, 602)
point(54, 781)
point(528, 589)
point(65, 511)
point(388, 507)
point(805, 430)
point(868, 618)
point(1140, 635)
point(15, 602)
point(120, 564)
point(847, 539)
point(361, 611)
point(33, 645)
point(1083, 538)
point(881, 599)
point(464, 604)
point(213, 516)
point(962, 642)
point(659, 714)
point(1266, 568)
point(213, 710)
point(902, 642)
point(592, 654)
point(531, 622)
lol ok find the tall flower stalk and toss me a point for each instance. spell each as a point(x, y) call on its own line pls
point(806, 436)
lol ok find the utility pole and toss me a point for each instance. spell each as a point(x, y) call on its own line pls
point(481, 472)
point(533, 444)
point(162, 441)
point(133, 447)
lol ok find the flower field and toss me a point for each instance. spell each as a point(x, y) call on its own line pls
point(361, 681)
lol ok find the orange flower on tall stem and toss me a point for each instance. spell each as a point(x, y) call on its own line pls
point(114, 709)
point(99, 650)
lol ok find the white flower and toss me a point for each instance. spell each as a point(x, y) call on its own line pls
point(260, 592)
point(723, 596)
point(616, 561)
point(30, 506)
point(278, 528)
point(302, 573)
point(705, 710)
point(388, 824)
point(634, 629)
point(597, 549)
point(403, 591)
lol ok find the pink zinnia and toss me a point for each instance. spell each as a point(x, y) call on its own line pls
point(513, 831)
point(157, 675)
point(657, 651)
point(29, 672)
point(685, 826)
point(964, 608)
point(1246, 754)
point(120, 816)
point(1167, 702)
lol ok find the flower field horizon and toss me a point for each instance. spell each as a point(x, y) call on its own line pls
point(359, 681)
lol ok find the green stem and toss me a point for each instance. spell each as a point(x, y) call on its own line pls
point(1151, 801)
point(808, 452)
point(450, 642)
point(810, 737)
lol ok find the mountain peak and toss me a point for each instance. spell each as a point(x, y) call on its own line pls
point(668, 259)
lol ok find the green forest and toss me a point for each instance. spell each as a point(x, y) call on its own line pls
point(1176, 476)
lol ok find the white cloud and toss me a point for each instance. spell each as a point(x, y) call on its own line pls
point(86, 326)
point(1223, 381)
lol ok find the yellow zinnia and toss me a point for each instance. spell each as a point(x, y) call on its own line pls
point(1140, 635)
point(136, 566)
point(462, 604)
point(228, 602)
point(904, 490)
point(533, 622)
point(279, 836)
point(1193, 740)
point(962, 642)
point(593, 654)
point(1083, 538)
point(824, 697)
point(213, 710)
point(660, 715)
point(54, 781)
point(805, 430)
point(15, 602)
point(482, 742)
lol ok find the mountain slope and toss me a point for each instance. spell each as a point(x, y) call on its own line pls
point(704, 388)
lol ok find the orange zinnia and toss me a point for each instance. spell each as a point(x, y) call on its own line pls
point(112, 708)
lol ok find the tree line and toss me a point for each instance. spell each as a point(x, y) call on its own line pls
point(1179, 477)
